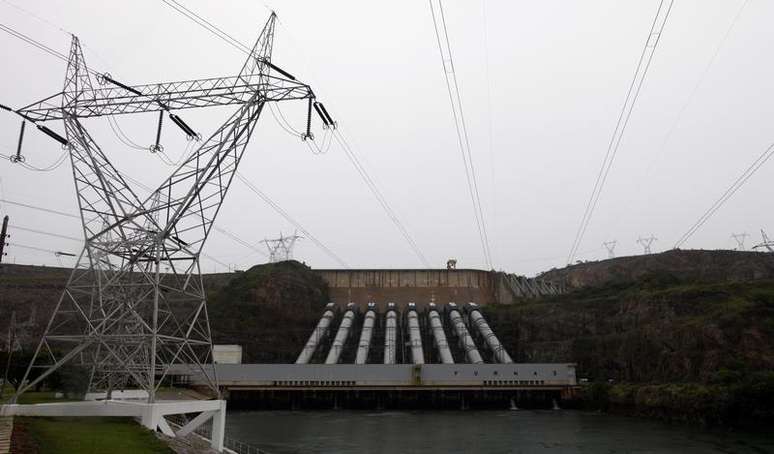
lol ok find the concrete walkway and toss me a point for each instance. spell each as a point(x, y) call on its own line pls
point(6, 427)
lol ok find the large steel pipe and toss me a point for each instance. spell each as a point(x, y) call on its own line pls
point(415, 335)
point(341, 335)
point(317, 334)
point(440, 337)
point(390, 333)
point(477, 319)
point(365, 335)
point(466, 340)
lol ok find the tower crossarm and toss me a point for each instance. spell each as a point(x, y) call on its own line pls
point(186, 94)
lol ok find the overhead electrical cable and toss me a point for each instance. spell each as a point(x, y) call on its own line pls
point(39, 45)
point(441, 34)
point(490, 123)
point(209, 26)
point(121, 135)
point(38, 208)
point(39, 18)
point(41, 232)
point(288, 218)
point(349, 152)
point(39, 249)
point(698, 84)
point(53, 166)
point(275, 206)
point(735, 186)
point(70, 215)
point(125, 139)
point(217, 228)
point(646, 57)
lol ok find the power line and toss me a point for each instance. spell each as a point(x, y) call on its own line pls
point(648, 50)
point(490, 132)
point(350, 153)
point(39, 249)
point(33, 207)
point(215, 30)
point(33, 42)
point(41, 232)
point(49, 168)
point(56, 235)
point(130, 144)
point(274, 206)
point(288, 218)
point(215, 227)
point(735, 186)
point(121, 135)
point(69, 215)
point(41, 19)
point(207, 25)
point(699, 82)
point(461, 127)
point(39, 45)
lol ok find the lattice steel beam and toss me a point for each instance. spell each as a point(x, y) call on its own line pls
point(120, 316)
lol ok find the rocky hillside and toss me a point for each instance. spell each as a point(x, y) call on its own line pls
point(687, 266)
point(269, 309)
point(675, 316)
point(656, 329)
point(683, 334)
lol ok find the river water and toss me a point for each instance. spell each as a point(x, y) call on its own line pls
point(522, 432)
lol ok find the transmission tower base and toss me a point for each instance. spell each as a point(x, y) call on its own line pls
point(151, 415)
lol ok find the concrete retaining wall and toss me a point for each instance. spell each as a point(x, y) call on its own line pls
point(423, 286)
point(403, 286)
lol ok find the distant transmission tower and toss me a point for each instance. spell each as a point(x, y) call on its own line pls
point(610, 246)
point(766, 243)
point(646, 242)
point(739, 238)
point(281, 249)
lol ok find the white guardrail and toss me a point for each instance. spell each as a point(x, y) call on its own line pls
point(231, 445)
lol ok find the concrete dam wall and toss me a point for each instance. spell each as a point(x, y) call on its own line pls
point(423, 286)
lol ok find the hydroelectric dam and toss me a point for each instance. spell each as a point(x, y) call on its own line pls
point(393, 355)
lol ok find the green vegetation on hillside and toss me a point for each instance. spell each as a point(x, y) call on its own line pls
point(660, 344)
point(269, 309)
point(84, 436)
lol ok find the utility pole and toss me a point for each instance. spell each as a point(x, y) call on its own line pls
point(646, 242)
point(610, 246)
point(739, 238)
point(11, 344)
point(3, 236)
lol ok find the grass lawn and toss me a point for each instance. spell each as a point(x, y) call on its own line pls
point(85, 436)
point(38, 397)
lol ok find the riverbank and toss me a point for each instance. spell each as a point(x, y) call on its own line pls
point(739, 404)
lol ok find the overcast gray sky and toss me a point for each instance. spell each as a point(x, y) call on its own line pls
point(558, 74)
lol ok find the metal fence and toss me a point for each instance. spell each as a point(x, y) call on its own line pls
point(205, 431)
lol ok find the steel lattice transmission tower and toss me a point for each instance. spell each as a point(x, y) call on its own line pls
point(646, 243)
point(739, 238)
point(281, 249)
point(610, 246)
point(766, 243)
point(120, 316)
